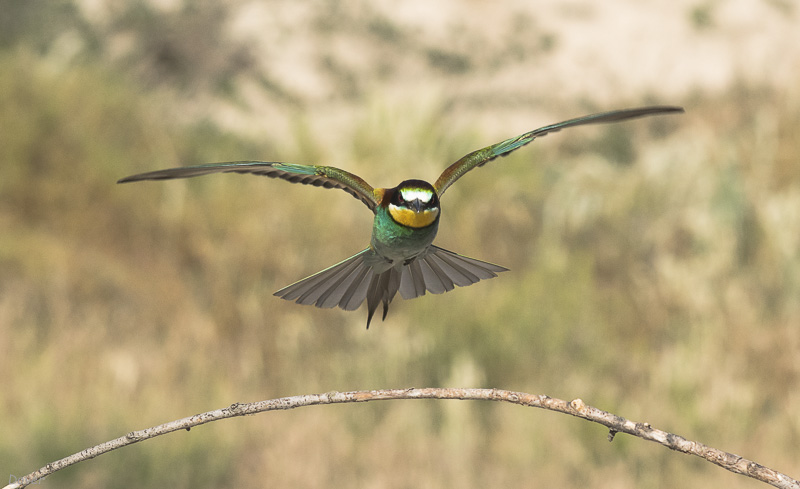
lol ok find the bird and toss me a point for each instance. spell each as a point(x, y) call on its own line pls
point(401, 256)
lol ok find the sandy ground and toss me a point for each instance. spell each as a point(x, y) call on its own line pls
point(522, 57)
point(513, 61)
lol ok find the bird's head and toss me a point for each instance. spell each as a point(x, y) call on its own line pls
point(414, 204)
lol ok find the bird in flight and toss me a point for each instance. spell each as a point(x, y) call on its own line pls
point(401, 256)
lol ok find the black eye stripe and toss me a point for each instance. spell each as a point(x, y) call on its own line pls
point(416, 191)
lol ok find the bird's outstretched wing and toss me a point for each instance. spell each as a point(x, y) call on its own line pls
point(319, 176)
point(483, 156)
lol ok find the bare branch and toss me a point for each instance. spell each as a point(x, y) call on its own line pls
point(614, 423)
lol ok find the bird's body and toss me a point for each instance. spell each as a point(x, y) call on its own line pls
point(401, 256)
point(400, 234)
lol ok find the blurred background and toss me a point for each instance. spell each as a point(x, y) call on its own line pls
point(655, 264)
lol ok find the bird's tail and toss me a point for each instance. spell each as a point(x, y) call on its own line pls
point(348, 283)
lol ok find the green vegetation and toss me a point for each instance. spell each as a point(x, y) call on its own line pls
point(665, 288)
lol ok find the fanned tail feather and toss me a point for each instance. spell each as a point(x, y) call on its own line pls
point(441, 270)
point(382, 289)
point(348, 283)
point(343, 285)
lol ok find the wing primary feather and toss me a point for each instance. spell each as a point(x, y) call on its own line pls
point(318, 176)
point(489, 153)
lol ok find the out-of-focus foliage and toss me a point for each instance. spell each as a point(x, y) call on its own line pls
point(38, 26)
point(654, 273)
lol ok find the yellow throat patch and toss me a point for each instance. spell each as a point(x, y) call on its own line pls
point(412, 219)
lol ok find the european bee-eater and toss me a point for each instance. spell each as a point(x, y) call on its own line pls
point(401, 255)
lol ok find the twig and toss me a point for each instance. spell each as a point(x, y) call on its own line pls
point(615, 424)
